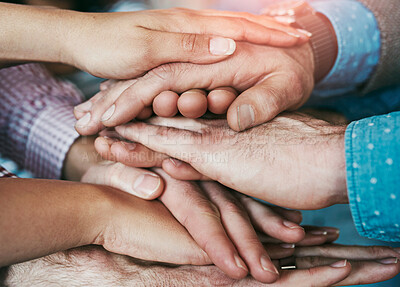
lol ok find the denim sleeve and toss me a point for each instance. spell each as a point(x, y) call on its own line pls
point(373, 175)
point(359, 44)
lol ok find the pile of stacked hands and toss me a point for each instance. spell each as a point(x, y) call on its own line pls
point(212, 130)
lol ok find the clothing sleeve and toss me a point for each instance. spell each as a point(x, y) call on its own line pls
point(6, 174)
point(36, 120)
point(373, 175)
point(387, 14)
point(359, 45)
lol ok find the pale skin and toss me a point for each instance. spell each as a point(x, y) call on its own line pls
point(295, 161)
point(251, 87)
point(143, 40)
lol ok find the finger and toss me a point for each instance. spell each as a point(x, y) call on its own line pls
point(264, 101)
point(276, 251)
point(179, 123)
point(181, 144)
point(369, 272)
point(349, 252)
point(166, 104)
point(145, 114)
point(236, 28)
point(82, 109)
point(241, 232)
point(316, 276)
point(363, 272)
point(264, 20)
point(220, 99)
point(267, 221)
point(181, 170)
point(202, 219)
point(130, 154)
point(193, 103)
point(102, 108)
point(314, 236)
point(141, 183)
point(107, 84)
point(292, 215)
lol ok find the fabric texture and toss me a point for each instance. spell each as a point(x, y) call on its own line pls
point(387, 13)
point(373, 175)
point(36, 120)
point(358, 39)
point(6, 174)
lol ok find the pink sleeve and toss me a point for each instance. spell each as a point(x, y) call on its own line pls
point(36, 120)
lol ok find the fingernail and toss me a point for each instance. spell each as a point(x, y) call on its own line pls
point(146, 184)
point(222, 46)
point(293, 35)
point(292, 225)
point(246, 117)
point(176, 162)
point(85, 107)
point(129, 146)
point(84, 120)
point(389, 261)
point(240, 263)
point(108, 114)
point(308, 34)
point(285, 19)
point(339, 264)
point(288, 246)
point(319, 232)
point(265, 262)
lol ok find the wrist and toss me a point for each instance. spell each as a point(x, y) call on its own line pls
point(336, 160)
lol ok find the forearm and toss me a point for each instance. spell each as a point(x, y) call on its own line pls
point(34, 33)
point(40, 217)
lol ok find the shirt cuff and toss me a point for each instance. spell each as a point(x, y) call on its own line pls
point(50, 138)
point(372, 163)
point(358, 38)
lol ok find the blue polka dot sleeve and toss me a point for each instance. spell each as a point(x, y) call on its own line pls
point(373, 176)
point(359, 46)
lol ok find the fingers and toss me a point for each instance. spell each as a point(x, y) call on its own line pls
point(349, 252)
point(130, 154)
point(276, 251)
point(181, 144)
point(264, 101)
point(219, 100)
point(202, 219)
point(241, 232)
point(100, 108)
point(141, 183)
point(229, 25)
point(266, 220)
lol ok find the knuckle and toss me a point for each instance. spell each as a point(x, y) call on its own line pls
point(190, 42)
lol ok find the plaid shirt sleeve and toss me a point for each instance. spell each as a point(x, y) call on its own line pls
point(36, 119)
point(6, 174)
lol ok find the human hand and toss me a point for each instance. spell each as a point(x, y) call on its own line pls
point(147, 39)
point(100, 268)
point(261, 74)
point(209, 211)
point(295, 161)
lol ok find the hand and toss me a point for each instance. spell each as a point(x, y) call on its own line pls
point(295, 161)
point(101, 268)
point(261, 74)
point(147, 39)
point(209, 211)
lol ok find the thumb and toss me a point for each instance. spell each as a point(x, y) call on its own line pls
point(263, 102)
point(141, 183)
point(193, 48)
